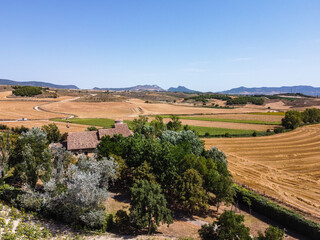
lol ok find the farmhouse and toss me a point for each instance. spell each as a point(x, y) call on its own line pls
point(87, 142)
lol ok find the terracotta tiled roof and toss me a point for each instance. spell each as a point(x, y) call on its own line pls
point(90, 140)
point(82, 140)
point(119, 128)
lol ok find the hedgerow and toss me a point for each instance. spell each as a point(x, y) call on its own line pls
point(280, 214)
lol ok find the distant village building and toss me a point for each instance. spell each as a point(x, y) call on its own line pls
point(87, 142)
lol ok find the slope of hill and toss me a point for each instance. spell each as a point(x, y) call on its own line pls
point(181, 89)
point(308, 90)
point(135, 88)
point(36, 84)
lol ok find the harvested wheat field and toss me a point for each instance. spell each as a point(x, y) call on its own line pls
point(61, 125)
point(12, 110)
point(135, 107)
point(284, 166)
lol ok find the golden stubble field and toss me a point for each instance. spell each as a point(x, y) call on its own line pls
point(284, 166)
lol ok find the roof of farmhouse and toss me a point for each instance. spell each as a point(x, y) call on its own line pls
point(90, 140)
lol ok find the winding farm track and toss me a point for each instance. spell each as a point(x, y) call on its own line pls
point(284, 166)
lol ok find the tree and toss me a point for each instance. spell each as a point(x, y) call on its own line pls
point(53, 133)
point(175, 123)
point(158, 125)
point(148, 206)
point(6, 150)
point(32, 157)
point(292, 119)
point(189, 192)
point(110, 145)
point(228, 226)
point(92, 128)
point(140, 127)
point(311, 115)
point(271, 233)
point(144, 172)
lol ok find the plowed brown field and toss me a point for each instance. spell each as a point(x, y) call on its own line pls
point(284, 166)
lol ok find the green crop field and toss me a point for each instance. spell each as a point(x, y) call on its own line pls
point(269, 113)
point(221, 131)
point(225, 120)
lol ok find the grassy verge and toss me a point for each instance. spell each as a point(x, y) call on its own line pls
point(269, 113)
point(282, 215)
point(225, 120)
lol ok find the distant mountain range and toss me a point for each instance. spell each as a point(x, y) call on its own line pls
point(135, 88)
point(36, 84)
point(307, 90)
point(148, 88)
point(181, 89)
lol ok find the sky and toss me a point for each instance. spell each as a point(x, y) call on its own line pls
point(204, 45)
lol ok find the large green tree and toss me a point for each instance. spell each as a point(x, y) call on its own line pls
point(53, 133)
point(228, 226)
point(292, 119)
point(32, 157)
point(148, 206)
point(189, 192)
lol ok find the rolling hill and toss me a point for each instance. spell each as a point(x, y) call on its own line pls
point(36, 84)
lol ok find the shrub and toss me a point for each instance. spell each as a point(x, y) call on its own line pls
point(27, 91)
point(4, 127)
point(254, 134)
point(292, 119)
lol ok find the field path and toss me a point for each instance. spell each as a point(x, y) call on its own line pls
point(284, 166)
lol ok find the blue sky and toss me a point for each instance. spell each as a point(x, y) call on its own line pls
point(204, 45)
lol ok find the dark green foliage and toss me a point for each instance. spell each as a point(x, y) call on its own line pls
point(108, 223)
point(190, 194)
point(158, 125)
point(53, 133)
point(6, 150)
point(26, 91)
point(148, 206)
point(4, 127)
point(204, 97)
point(19, 130)
point(175, 123)
point(292, 120)
point(31, 157)
point(254, 134)
point(122, 222)
point(282, 215)
point(271, 233)
point(229, 226)
point(92, 128)
point(245, 99)
point(108, 146)
point(143, 172)
point(311, 115)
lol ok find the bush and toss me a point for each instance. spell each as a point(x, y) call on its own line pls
point(26, 91)
point(4, 127)
point(254, 134)
point(292, 120)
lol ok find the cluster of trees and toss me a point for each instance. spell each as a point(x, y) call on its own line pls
point(204, 97)
point(245, 99)
point(55, 183)
point(294, 119)
point(26, 91)
point(175, 164)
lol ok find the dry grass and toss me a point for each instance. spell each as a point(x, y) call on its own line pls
point(284, 166)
